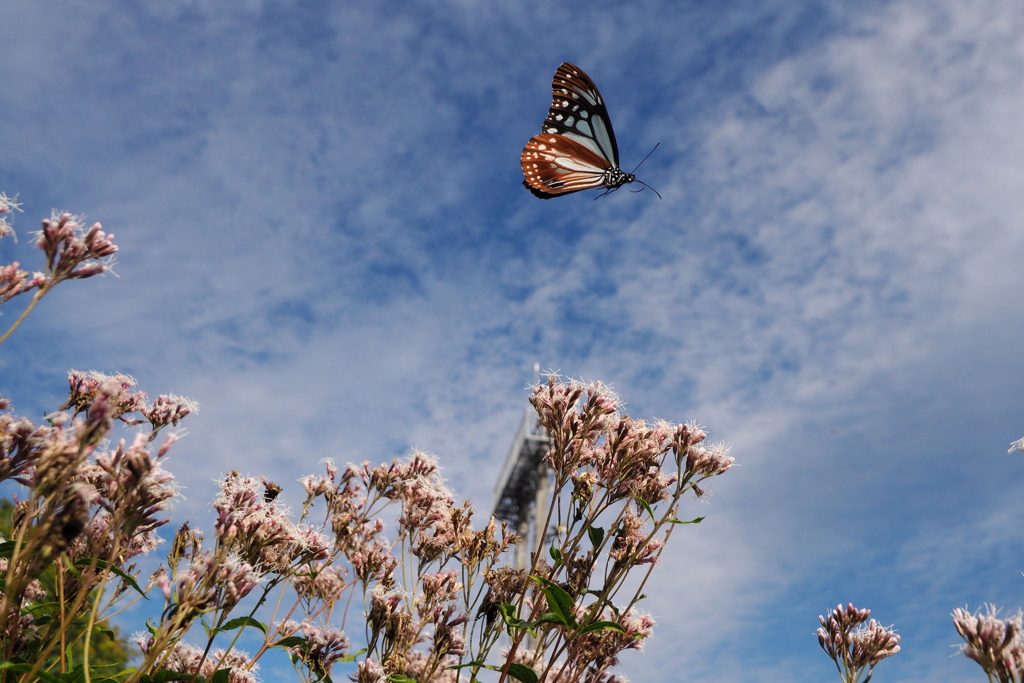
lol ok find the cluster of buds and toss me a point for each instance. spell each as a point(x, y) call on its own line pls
point(168, 409)
point(89, 509)
point(15, 281)
point(994, 643)
point(593, 446)
point(618, 484)
point(416, 618)
point(260, 532)
point(318, 647)
point(73, 252)
point(194, 661)
point(854, 650)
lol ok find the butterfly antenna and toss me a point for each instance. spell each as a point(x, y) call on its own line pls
point(641, 164)
point(648, 187)
point(645, 159)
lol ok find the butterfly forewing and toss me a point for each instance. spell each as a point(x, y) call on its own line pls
point(578, 112)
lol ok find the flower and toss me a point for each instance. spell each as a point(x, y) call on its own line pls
point(853, 651)
point(994, 643)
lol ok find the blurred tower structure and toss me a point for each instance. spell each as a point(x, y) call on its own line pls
point(522, 490)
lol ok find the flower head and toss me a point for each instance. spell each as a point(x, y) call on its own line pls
point(994, 643)
point(855, 650)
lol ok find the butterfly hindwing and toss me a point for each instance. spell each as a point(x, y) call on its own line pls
point(556, 164)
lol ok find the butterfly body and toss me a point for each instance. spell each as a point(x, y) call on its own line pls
point(576, 149)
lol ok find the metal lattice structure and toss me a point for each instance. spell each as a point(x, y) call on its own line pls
point(522, 487)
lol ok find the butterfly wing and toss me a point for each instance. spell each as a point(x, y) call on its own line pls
point(578, 112)
point(576, 149)
point(556, 164)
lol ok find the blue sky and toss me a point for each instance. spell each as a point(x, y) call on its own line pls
point(325, 242)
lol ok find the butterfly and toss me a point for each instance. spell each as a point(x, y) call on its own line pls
point(576, 149)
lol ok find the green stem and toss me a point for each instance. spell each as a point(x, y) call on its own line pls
point(40, 293)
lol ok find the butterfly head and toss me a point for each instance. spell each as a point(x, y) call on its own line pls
point(615, 178)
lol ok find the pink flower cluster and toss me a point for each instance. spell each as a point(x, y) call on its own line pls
point(616, 494)
point(855, 650)
point(88, 510)
point(73, 252)
point(593, 446)
point(421, 586)
point(105, 398)
point(260, 532)
point(322, 646)
point(996, 644)
point(188, 659)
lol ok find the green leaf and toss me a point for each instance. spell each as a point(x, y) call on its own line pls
point(521, 672)
point(398, 678)
point(508, 615)
point(603, 625)
point(241, 622)
point(291, 641)
point(7, 549)
point(128, 580)
point(646, 506)
point(596, 535)
point(556, 555)
point(76, 675)
point(45, 608)
point(552, 618)
point(560, 602)
point(24, 667)
point(221, 676)
point(692, 521)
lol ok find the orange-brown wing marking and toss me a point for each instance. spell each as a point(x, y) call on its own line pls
point(555, 165)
